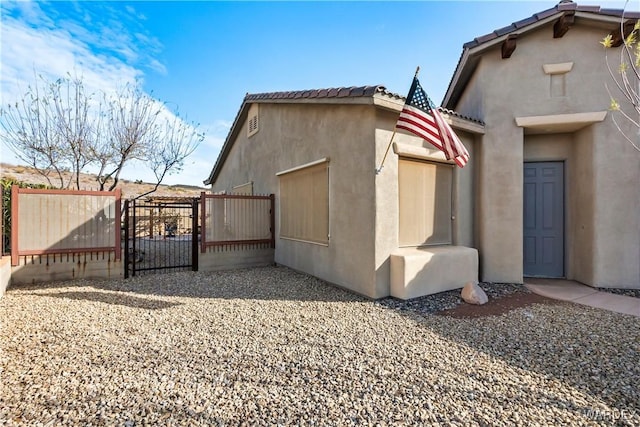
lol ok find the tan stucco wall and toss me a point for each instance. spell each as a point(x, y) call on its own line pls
point(363, 211)
point(603, 196)
point(292, 135)
point(616, 222)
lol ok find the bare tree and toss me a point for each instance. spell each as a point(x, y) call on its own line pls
point(63, 127)
point(627, 77)
point(174, 141)
point(31, 130)
point(76, 128)
point(130, 127)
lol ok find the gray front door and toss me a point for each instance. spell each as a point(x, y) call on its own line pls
point(544, 219)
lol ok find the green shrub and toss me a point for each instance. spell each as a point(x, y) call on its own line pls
point(6, 184)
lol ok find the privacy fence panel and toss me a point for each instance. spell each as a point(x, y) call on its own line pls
point(63, 222)
point(228, 219)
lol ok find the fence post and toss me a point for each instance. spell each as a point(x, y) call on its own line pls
point(118, 194)
point(134, 240)
point(2, 221)
point(194, 234)
point(14, 224)
point(272, 197)
point(203, 222)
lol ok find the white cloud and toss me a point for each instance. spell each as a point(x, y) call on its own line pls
point(54, 52)
point(107, 47)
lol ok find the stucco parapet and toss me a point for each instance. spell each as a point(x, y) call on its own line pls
point(560, 68)
point(422, 153)
point(560, 122)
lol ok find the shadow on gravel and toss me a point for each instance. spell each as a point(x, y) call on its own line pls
point(113, 298)
point(270, 283)
point(594, 351)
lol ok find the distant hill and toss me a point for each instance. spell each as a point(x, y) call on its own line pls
point(129, 189)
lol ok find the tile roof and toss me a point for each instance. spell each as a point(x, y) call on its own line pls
point(341, 92)
point(336, 92)
point(564, 5)
point(460, 116)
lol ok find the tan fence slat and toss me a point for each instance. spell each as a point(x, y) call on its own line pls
point(56, 221)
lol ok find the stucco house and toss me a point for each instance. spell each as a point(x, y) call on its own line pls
point(558, 187)
point(551, 188)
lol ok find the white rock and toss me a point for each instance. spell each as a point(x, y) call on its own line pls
point(472, 293)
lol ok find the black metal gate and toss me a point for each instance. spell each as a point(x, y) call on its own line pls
point(160, 235)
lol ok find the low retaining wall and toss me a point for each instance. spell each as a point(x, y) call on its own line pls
point(416, 272)
point(229, 259)
point(47, 268)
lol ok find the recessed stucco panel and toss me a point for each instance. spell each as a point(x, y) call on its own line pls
point(464, 195)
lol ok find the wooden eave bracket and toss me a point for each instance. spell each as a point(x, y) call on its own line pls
point(509, 45)
point(563, 24)
point(617, 36)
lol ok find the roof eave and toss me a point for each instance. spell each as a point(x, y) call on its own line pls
point(462, 74)
point(388, 103)
point(470, 53)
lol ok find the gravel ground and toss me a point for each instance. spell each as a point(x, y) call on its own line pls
point(627, 292)
point(270, 346)
point(447, 300)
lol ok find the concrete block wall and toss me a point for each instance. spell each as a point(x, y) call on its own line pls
point(48, 268)
point(242, 258)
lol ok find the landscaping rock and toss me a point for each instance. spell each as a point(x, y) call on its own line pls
point(472, 293)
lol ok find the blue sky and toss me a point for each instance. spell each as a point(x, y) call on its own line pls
point(203, 57)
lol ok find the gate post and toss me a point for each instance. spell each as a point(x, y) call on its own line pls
point(135, 237)
point(126, 239)
point(203, 221)
point(272, 225)
point(194, 235)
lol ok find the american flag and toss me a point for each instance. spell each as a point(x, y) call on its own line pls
point(420, 117)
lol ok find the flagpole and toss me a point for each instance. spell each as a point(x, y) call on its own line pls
point(393, 134)
point(386, 152)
